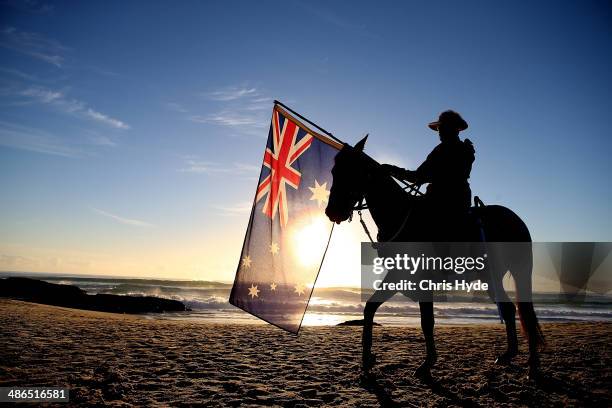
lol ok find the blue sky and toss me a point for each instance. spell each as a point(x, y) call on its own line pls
point(131, 133)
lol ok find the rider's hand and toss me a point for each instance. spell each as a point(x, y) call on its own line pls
point(399, 173)
point(391, 169)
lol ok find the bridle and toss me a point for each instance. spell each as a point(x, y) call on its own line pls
point(411, 188)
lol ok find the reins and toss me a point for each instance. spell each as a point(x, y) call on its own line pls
point(412, 189)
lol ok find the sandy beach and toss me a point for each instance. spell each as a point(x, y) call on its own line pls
point(127, 360)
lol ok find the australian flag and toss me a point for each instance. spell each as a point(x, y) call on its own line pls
point(288, 231)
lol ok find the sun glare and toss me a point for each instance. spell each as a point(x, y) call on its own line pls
point(309, 241)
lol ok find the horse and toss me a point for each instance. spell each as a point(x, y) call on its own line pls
point(358, 178)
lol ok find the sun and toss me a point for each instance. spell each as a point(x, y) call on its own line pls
point(309, 241)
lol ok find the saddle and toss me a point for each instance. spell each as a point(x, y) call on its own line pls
point(427, 226)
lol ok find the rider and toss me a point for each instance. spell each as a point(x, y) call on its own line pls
point(446, 169)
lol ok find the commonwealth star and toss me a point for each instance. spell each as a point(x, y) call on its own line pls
point(319, 193)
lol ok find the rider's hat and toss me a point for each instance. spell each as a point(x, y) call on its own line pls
point(451, 117)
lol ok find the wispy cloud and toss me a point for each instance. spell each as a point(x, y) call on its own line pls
point(19, 74)
point(102, 141)
point(328, 16)
point(235, 209)
point(122, 220)
point(100, 117)
point(256, 104)
point(193, 165)
point(60, 101)
point(242, 108)
point(176, 107)
point(232, 93)
point(33, 45)
point(35, 140)
point(9, 261)
point(230, 118)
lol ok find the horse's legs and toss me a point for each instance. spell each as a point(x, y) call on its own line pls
point(508, 313)
point(427, 325)
point(378, 298)
point(497, 293)
point(368, 358)
point(529, 320)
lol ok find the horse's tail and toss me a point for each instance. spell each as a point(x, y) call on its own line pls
point(529, 321)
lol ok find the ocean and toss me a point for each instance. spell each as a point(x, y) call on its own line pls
point(208, 301)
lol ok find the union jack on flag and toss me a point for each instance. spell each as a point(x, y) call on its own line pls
point(285, 150)
point(288, 231)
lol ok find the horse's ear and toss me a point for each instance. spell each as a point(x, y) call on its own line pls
point(361, 144)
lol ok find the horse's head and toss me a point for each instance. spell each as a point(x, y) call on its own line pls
point(348, 187)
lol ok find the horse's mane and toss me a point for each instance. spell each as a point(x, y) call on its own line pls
point(390, 185)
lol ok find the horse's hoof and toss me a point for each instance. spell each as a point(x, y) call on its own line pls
point(534, 374)
point(506, 358)
point(424, 372)
point(534, 369)
point(366, 377)
point(369, 361)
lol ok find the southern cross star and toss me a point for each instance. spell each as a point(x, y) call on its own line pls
point(253, 291)
point(299, 289)
point(274, 248)
point(246, 261)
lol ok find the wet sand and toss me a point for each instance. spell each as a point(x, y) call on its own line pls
point(127, 360)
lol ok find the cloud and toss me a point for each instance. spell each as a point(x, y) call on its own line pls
point(193, 165)
point(176, 107)
point(243, 109)
point(106, 119)
point(235, 209)
point(58, 100)
point(232, 119)
point(45, 95)
point(334, 19)
point(257, 104)
point(9, 261)
point(33, 45)
point(102, 141)
point(122, 220)
point(247, 167)
point(19, 74)
point(35, 140)
point(232, 93)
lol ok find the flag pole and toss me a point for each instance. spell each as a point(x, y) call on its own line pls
point(309, 121)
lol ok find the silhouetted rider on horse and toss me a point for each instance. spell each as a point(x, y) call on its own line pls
point(447, 168)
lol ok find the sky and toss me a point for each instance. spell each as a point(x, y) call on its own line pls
point(132, 133)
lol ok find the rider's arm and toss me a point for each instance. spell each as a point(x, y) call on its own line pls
point(424, 173)
point(400, 173)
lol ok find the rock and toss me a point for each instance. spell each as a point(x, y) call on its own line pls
point(355, 323)
point(33, 290)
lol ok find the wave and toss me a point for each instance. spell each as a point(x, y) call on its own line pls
point(208, 299)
